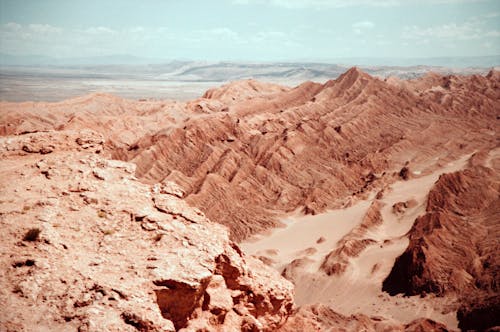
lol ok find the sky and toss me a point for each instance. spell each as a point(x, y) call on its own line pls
point(251, 30)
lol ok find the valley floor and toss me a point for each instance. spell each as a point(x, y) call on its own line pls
point(305, 241)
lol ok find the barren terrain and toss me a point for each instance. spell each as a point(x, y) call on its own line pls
point(176, 80)
point(359, 203)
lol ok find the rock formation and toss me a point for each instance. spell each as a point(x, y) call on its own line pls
point(245, 155)
point(322, 318)
point(453, 247)
point(87, 247)
point(125, 215)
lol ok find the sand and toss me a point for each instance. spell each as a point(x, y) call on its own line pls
point(358, 289)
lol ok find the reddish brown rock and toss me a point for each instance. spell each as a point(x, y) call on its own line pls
point(272, 150)
point(94, 266)
point(115, 253)
point(321, 318)
point(453, 246)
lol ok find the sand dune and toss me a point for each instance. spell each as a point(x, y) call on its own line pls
point(359, 288)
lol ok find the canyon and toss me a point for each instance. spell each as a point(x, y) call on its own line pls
point(360, 203)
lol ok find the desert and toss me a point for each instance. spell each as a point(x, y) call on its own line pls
point(250, 166)
point(361, 203)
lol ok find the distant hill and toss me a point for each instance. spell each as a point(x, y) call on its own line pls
point(125, 59)
point(130, 67)
point(180, 80)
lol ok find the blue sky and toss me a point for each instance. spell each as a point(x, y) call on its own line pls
point(255, 30)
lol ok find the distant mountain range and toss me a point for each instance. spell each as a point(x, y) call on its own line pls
point(25, 78)
point(138, 69)
point(124, 59)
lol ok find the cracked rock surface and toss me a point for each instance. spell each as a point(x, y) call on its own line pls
point(114, 254)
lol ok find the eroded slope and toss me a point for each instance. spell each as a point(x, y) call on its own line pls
point(248, 151)
point(244, 154)
point(454, 247)
point(314, 146)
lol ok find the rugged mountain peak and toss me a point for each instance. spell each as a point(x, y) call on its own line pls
point(354, 71)
point(353, 74)
point(244, 89)
point(353, 78)
point(243, 163)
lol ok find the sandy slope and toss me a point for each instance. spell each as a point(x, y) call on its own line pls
point(359, 288)
point(303, 232)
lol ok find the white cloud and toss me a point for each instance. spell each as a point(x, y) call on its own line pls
point(468, 36)
point(15, 36)
point(364, 25)
point(383, 42)
point(44, 28)
point(102, 40)
point(138, 30)
point(296, 4)
point(492, 15)
point(493, 33)
point(220, 33)
point(360, 27)
point(12, 26)
point(99, 31)
point(464, 31)
point(270, 35)
point(51, 40)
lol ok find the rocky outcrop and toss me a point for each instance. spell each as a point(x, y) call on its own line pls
point(123, 193)
point(343, 131)
point(48, 142)
point(111, 253)
point(249, 151)
point(242, 90)
point(453, 246)
point(322, 318)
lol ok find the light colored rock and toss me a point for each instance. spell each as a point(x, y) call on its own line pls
point(175, 206)
point(113, 270)
point(219, 296)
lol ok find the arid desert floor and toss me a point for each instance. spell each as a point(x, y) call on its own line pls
point(350, 203)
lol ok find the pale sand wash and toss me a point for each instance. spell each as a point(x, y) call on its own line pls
point(359, 288)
